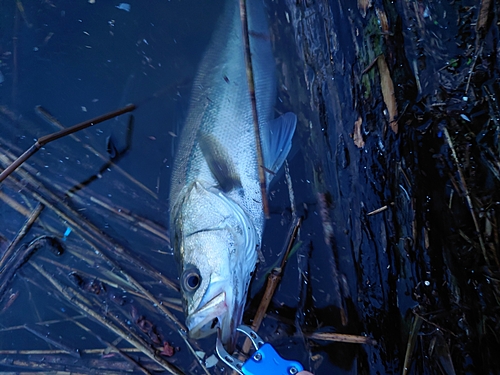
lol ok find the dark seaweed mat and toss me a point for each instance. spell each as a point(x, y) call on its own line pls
point(422, 256)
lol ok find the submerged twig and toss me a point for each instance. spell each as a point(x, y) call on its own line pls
point(62, 133)
point(115, 349)
point(273, 281)
point(412, 339)
point(44, 323)
point(471, 71)
point(291, 194)
point(56, 364)
point(342, 337)
point(15, 68)
point(20, 235)
point(182, 334)
point(324, 201)
point(59, 351)
point(49, 340)
point(18, 260)
point(134, 219)
point(467, 193)
point(13, 203)
point(378, 210)
point(294, 228)
point(20, 7)
point(370, 65)
point(52, 360)
point(482, 21)
point(75, 298)
point(251, 91)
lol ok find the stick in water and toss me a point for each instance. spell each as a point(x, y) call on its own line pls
point(62, 133)
point(251, 90)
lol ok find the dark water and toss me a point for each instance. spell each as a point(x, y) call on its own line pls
point(85, 59)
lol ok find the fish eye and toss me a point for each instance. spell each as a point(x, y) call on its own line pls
point(191, 280)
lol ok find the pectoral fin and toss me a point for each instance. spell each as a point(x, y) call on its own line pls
point(219, 163)
point(277, 141)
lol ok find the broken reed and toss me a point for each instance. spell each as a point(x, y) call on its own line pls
point(62, 133)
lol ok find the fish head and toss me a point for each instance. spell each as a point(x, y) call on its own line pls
point(210, 285)
point(217, 254)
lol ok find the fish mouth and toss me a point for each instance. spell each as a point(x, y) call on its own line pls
point(205, 320)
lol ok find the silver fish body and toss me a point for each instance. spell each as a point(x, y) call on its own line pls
point(216, 213)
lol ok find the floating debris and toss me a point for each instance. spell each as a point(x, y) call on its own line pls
point(388, 92)
point(211, 361)
point(358, 136)
point(123, 6)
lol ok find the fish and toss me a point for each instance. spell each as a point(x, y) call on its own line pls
point(215, 202)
